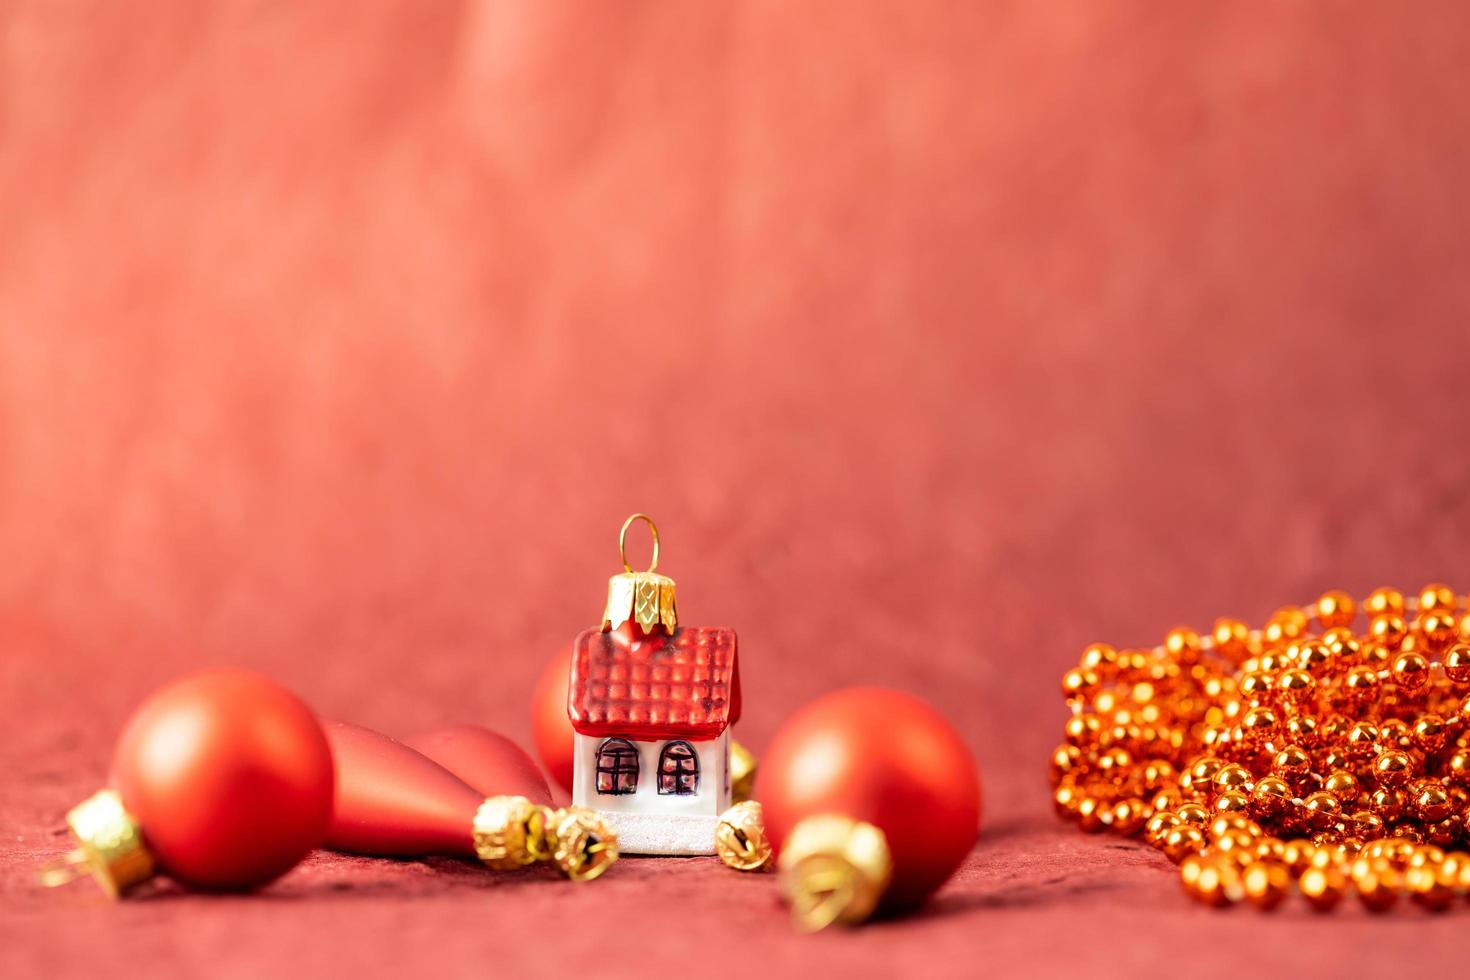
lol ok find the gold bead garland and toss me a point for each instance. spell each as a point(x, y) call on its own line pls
point(1279, 760)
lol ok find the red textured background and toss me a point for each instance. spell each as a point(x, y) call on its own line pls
point(941, 338)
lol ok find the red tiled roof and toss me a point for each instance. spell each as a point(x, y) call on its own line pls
point(682, 686)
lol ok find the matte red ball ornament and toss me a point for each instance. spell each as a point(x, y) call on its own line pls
point(230, 777)
point(883, 758)
point(487, 760)
point(551, 729)
point(221, 780)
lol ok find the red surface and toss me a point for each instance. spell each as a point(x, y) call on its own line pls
point(627, 683)
point(940, 339)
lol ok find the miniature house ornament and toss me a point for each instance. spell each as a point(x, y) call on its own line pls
point(652, 703)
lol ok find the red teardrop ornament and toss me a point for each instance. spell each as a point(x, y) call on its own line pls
point(229, 776)
point(550, 725)
point(886, 758)
point(486, 760)
point(393, 801)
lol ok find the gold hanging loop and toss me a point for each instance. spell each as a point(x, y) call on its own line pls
point(645, 597)
point(623, 541)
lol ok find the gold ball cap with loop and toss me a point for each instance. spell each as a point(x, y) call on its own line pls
point(110, 847)
point(645, 597)
point(834, 869)
point(510, 832)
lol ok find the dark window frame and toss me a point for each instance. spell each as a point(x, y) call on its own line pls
point(618, 760)
point(678, 771)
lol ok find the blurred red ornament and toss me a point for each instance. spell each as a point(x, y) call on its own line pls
point(884, 758)
point(230, 777)
point(394, 801)
point(550, 726)
point(488, 761)
point(222, 780)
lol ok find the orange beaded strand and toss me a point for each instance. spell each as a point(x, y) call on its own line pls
point(1280, 760)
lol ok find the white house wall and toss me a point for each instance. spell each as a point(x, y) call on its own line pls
point(712, 799)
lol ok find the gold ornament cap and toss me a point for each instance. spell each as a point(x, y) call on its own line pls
point(834, 869)
point(110, 847)
point(510, 832)
point(645, 597)
point(583, 843)
point(740, 838)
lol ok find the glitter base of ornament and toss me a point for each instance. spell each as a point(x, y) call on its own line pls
point(663, 834)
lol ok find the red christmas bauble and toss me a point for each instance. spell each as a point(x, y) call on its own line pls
point(488, 761)
point(886, 758)
point(230, 777)
point(394, 801)
point(550, 726)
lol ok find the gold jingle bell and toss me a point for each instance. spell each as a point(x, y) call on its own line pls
point(511, 832)
point(585, 844)
point(740, 838)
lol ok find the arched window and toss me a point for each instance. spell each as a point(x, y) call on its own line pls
point(678, 770)
point(617, 768)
